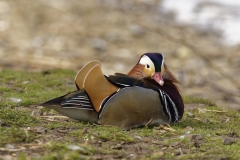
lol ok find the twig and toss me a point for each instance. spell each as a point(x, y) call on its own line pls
point(12, 150)
point(54, 117)
point(217, 111)
point(167, 127)
point(226, 120)
point(51, 118)
point(180, 151)
point(150, 121)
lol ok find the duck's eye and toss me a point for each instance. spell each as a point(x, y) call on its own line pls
point(148, 66)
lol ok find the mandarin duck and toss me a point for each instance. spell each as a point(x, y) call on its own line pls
point(146, 95)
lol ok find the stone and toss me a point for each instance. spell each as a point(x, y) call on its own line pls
point(228, 141)
point(9, 146)
point(41, 130)
point(197, 137)
point(174, 144)
point(75, 148)
point(15, 100)
point(2, 122)
point(137, 137)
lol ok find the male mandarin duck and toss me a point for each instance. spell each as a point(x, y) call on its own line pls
point(146, 95)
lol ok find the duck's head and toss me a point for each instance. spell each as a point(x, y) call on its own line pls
point(150, 65)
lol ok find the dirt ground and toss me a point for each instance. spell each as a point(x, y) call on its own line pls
point(43, 35)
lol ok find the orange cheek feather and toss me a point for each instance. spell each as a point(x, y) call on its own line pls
point(137, 71)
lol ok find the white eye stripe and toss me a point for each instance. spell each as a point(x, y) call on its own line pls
point(162, 62)
point(145, 60)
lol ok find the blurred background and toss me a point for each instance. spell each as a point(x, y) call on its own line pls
point(200, 39)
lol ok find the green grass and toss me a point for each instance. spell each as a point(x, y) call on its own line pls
point(15, 135)
point(34, 87)
point(16, 117)
point(17, 126)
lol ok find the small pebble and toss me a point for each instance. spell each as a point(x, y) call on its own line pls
point(2, 122)
point(137, 137)
point(15, 100)
point(228, 141)
point(41, 130)
point(182, 137)
point(174, 144)
point(9, 146)
point(75, 148)
point(197, 137)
